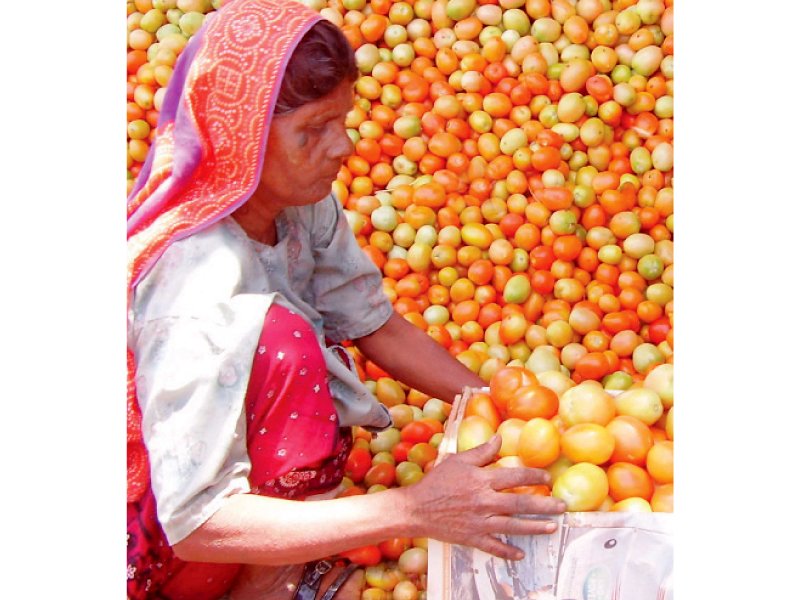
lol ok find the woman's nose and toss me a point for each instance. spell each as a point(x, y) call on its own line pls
point(342, 146)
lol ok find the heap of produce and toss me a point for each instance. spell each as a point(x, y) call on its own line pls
point(511, 177)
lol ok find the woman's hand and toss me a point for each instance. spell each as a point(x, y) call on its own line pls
point(461, 502)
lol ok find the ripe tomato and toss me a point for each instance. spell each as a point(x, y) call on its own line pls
point(538, 444)
point(530, 401)
point(365, 555)
point(400, 451)
point(632, 440)
point(662, 500)
point(506, 381)
point(481, 404)
point(393, 548)
point(593, 365)
point(587, 442)
point(358, 463)
point(416, 432)
point(660, 461)
point(382, 473)
point(659, 329)
point(627, 481)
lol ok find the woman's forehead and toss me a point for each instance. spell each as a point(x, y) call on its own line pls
point(338, 102)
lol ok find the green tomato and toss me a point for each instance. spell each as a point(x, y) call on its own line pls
point(520, 261)
point(459, 9)
point(384, 218)
point(640, 160)
point(394, 35)
point(549, 116)
point(517, 20)
point(619, 380)
point(645, 356)
point(583, 195)
point(563, 222)
point(404, 166)
point(650, 267)
point(620, 74)
point(384, 440)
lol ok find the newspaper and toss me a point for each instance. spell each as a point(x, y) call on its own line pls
point(591, 556)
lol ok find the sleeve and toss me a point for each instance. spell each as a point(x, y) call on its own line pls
point(348, 287)
point(194, 338)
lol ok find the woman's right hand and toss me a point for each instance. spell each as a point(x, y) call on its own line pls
point(461, 502)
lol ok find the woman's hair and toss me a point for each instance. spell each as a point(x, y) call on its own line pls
point(321, 61)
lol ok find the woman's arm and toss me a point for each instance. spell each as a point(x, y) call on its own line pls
point(457, 502)
point(414, 358)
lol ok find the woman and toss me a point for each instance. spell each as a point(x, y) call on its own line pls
point(241, 264)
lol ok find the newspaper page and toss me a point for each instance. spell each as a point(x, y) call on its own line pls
point(591, 556)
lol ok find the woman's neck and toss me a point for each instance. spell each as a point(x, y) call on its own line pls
point(258, 220)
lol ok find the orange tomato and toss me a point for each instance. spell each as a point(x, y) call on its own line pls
point(587, 442)
point(662, 499)
point(538, 444)
point(633, 440)
point(593, 365)
point(659, 461)
point(505, 382)
point(531, 401)
point(626, 480)
point(480, 404)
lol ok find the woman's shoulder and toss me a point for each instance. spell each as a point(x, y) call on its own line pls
point(212, 264)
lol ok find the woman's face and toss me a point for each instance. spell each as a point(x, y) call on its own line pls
point(305, 150)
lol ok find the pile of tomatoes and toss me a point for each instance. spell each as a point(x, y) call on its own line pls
point(606, 448)
point(512, 179)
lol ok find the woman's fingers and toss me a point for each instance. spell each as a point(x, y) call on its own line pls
point(521, 525)
point(509, 477)
point(492, 545)
point(504, 503)
point(481, 455)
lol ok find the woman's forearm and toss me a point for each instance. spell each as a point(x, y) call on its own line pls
point(271, 531)
point(414, 358)
point(458, 501)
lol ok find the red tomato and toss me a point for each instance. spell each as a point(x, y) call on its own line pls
point(393, 548)
point(358, 463)
point(530, 401)
point(416, 432)
point(400, 451)
point(659, 329)
point(380, 474)
point(542, 257)
point(365, 555)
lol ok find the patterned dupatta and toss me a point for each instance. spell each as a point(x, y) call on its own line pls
point(206, 159)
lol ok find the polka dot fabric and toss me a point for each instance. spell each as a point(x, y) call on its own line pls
point(288, 397)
